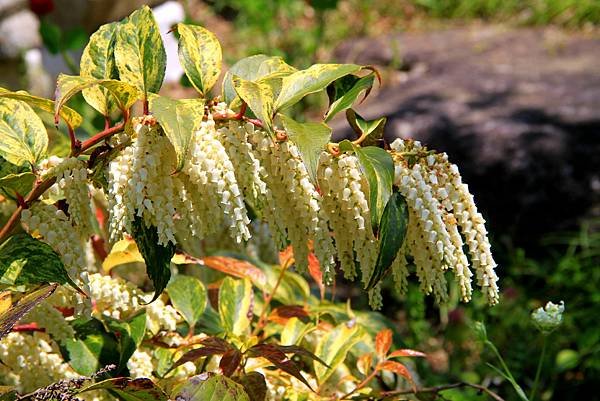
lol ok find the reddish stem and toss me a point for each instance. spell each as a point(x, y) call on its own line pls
point(75, 143)
point(146, 107)
point(27, 327)
point(43, 186)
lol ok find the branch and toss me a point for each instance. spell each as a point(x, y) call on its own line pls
point(42, 186)
point(438, 389)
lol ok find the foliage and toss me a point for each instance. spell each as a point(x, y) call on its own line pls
point(188, 171)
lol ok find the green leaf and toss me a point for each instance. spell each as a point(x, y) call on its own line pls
point(128, 389)
point(235, 305)
point(378, 168)
point(129, 336)
point(394, 223)
point(74, 39)
point(333, 348)
point(9, 393)
point(254, 384)
point(10, 317)
point(294, 331)
point(157, 257)
point(25, 260)
point(251, 69)
point(310, 138)
point(92, 348)
point(258, 96)
point(20, 183)
point(188, 296)
point(24, 137)
point(179, 119)
point(314, 79)
point(70, 116)
point(200, 56)
point(344, 92)
point(140, 53)
point(373, 130)
point(218, 387)
point(51, 35)
point(68, 86)
point(98, 62)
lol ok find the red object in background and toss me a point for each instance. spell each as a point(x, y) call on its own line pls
point(41, 7)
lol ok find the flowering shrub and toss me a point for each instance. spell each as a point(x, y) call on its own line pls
point(153, 186)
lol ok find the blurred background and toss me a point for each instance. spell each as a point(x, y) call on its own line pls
point(509, 89)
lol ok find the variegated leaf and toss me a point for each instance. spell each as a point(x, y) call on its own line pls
point(24, 137)
point(70, 116)
point(67, 86)
point(98, 62)
point(179, 118)
point(314, 79)
point(259, 98)
point(200, 56)
point(140, 53)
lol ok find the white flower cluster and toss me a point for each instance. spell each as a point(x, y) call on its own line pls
point(439, 205)
point(295, 204)
point(31, 361)
point(48, 317)
point(197, 200)
point(548, 318)
point(212, 189)
point(235, 139)
point(114, 297)
point(346, 207)
point(120, 299)
point(55, 228)
point(140, 364)
point(140, 182)
point(71, 178)
point(160, 316)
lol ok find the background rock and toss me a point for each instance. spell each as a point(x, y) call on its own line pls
point(517, 110)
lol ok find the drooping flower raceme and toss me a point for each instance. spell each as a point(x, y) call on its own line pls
point(440, 205)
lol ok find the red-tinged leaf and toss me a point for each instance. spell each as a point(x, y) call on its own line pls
point(230, 361)
point(279, 359)
point(282, 314)
point(255, 385)
point(406, 352)
point(364, 363)
point(211, 346)
point(314, 269)
point(230, 266)
point(383, 342)
point(396, 367)
point(286, 257)
point(297, 350)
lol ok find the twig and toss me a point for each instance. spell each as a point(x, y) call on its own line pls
point(42, 186)
point(438, 389)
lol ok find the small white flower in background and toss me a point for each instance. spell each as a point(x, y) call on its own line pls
point(549, 317)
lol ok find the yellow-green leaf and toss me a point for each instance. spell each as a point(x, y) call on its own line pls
point(314, 79)
point(259, 98)
point(70, 116)
point(200, 56)
point(98, 62)
point(188, 296)
point(24, 137)
point(140, 53)
point(253, 68)
point(333, 348)
point(67, 86)
point(179, 118)
point(310, 138)
point(344, 92)
point(235, 305)
point(378, 167)
point(122, 252)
